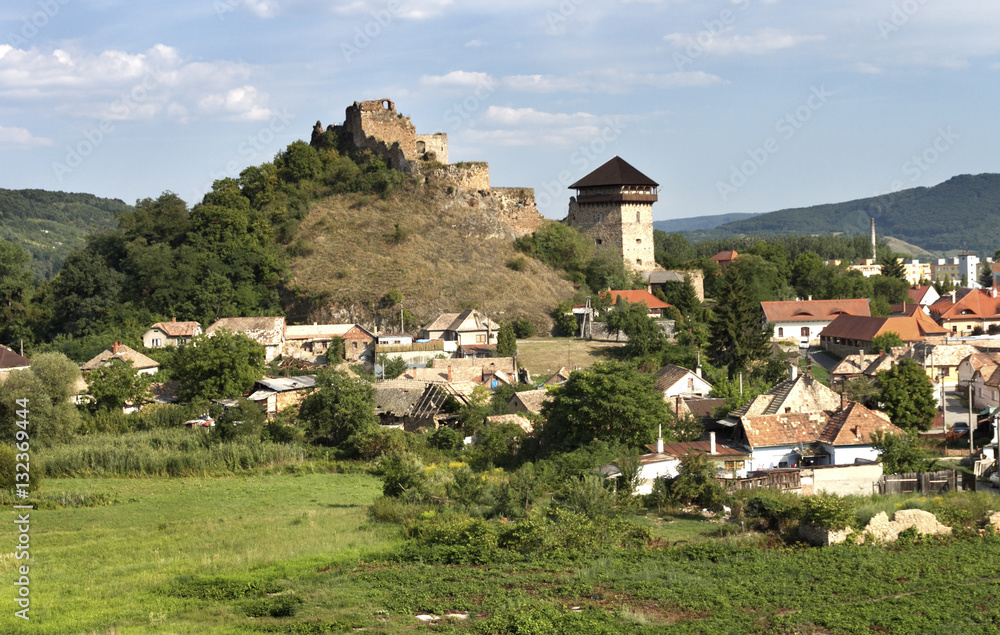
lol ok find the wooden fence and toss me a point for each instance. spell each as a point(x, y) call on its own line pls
point(923, 482)
point(789, 480)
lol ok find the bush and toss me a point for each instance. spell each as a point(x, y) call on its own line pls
point(373, 442)
point(523, 328)
point(445, 438)
point(388, 509)
point(8, 467)
point(828, 512)
point(401, 474)
point(774, 508)
point(519, 263)
point(588, 496)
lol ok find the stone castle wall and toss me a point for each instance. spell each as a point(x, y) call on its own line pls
point(624, 227)
point(465, 176)
point(517, 207)
point(433, 147)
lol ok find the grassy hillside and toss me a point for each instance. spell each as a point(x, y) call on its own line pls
point(445, 256)
point(49, 225)
point(963, 212)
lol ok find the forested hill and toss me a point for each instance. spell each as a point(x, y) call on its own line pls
point(672, 225)
point(961, 213)
point(50, 225)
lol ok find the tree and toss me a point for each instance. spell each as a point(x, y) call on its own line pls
point(52, 417)
point(506, 341)
point(339, 408)
point(392, 367)
point(907, 395)
point(523, 328)
point(117, 385)
point(644, 335)
point(986, 276)
point(892, 267)
point(901, 452)
point(221, 366)
point(609, 401)
point(737, 336)
point(884, 342)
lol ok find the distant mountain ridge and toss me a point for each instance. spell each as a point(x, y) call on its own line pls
point(961, 213)
point(49, 225)
point(693, 223)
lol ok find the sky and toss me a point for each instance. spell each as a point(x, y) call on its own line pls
point(730, 105)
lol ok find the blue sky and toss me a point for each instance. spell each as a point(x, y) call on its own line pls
point(732, 105)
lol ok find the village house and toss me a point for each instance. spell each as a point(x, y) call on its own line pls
point(725, 258)
point(9, 360)
point(977, 309)
point(801, 321)
point(274, 394)
point(797, 394)
point(528, 401)
point(986, 388)
point(125, 354)
point(558, 378)
point(847, 333)
point(172, 333)
point(410, 405)
point(968, 367)
point(866, 364)
point(664, 459)
point(941, 361)
point(313, 340)
point(269, 332)
point(924, 295)
point(657, 280)
point(468, 327)
point(515, 419)
point(675, 381)
point(656, 306)
point(833, 437)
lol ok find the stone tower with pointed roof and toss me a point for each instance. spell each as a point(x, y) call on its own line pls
point(614, 205)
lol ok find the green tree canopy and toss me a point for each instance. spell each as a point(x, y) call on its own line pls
point(892, 267)
point(907, 395)
point(339, 408)
point(221, 366)
point(52, 417)
point(737, 336)
point(901, 452)
point(885, 342)
point(506, 341)
point(609, 401)
point(118, 385)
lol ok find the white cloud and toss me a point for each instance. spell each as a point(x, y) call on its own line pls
point(21, 138)
point(457, 79)
point(119, 85)
point(261, 8)
point(727, 42)
point(407, 9)
point(866, 68)
point(474, 44)
point(608, 81)
point(507, 126)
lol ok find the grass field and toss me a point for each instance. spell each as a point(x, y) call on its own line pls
point(542, 357)
point(296, 554)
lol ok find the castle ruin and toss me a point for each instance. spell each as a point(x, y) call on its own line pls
point(375, 125)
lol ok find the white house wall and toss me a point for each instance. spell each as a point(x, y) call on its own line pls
point(770, 458)
point(793, 330)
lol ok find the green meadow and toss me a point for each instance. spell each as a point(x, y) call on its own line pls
point(297, 553)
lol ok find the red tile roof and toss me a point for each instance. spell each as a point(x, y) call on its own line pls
point(913, 328)
point(917, 293)
point(10, 359)
point(855, 424)
point(813, 310)
point(725, 256)
point(976, 304)
point(634, 297)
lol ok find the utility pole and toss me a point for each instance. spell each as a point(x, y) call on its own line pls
point(971, 449)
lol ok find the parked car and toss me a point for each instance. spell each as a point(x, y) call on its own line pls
point(203, 421)
point(995, 479)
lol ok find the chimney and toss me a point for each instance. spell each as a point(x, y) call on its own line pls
point(873, 240)
point(677, 408)
point(810, 297)
point(659, 439)
point(697, 366)
point(173, 319)
point(711, 442)
point(793, 371)
point(449, 374)
point(114, 348)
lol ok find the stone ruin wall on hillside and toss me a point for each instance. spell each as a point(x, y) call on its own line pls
point(375, 125)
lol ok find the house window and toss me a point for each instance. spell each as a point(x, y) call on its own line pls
point(599, 241)
point(600, 218)
point(638, 261)
point(157, 342)
point(355, 345)
point(638, 241)
point(480, 339)
point(637, 217)
point(734, 465)
point(805, 331)
point(781, 331)
point(690, 384)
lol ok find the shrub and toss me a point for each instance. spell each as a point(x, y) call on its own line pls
point(524, 328)
point(588, 496)
point(519, 263)
point(8, 467)
point(401, 473)
point(828, 512)
point(373, 442)
point(774, 508)
point(388, 509)
point(445, 438)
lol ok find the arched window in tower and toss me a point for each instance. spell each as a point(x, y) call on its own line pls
point(637, 217)
point(600, 218)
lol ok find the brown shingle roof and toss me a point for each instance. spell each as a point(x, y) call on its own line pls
point(268, 331)
point(855, 424)
point(975, 304)
point(913, 328)
point(670, 375)
point(636, 296)
point(325, 331)
point(813, 310)
point(178, 329)
point(802, 394)
point(532, 399)
point(783, 429)
point(615, 172)
point(123, 353)
point(9, 359)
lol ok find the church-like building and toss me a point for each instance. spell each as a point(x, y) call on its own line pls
point(614, 205)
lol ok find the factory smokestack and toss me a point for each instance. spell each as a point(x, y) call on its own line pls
point(874, 258)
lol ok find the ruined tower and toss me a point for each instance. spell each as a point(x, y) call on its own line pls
point(376, 125)
point(614, 205)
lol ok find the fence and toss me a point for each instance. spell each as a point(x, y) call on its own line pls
point(790, 480)
point(923, 482)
